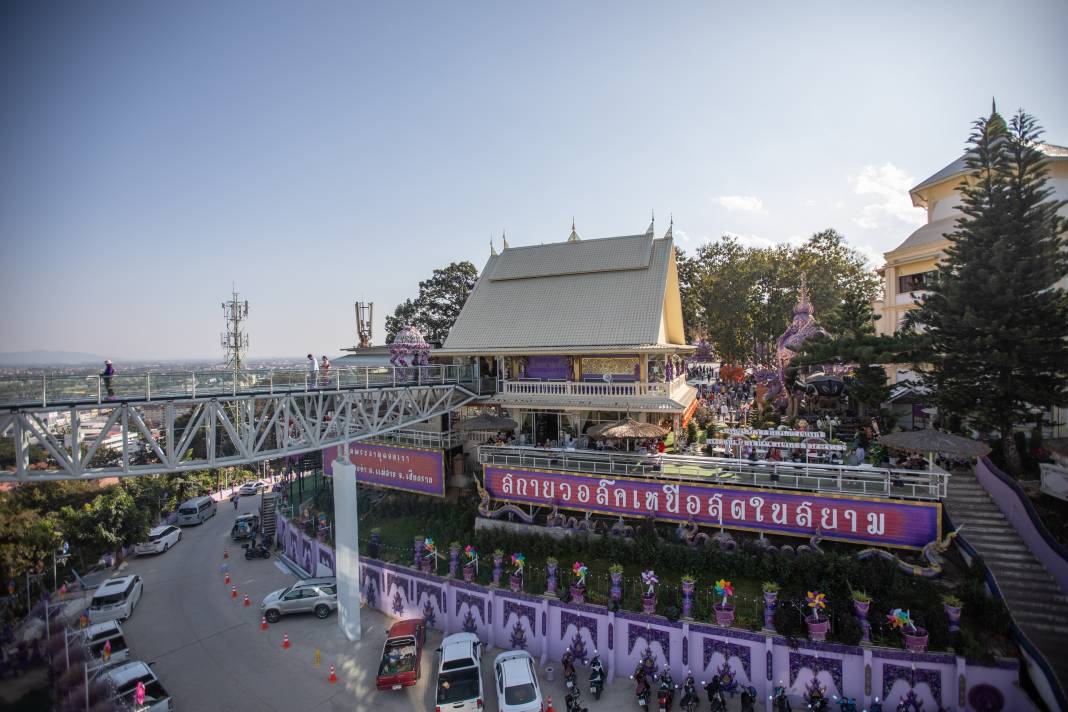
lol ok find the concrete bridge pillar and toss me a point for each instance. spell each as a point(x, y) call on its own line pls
point(346, 551)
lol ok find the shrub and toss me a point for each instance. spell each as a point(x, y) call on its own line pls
point(788, 622)
point(848, 630)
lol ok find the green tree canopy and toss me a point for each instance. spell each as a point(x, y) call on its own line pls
point(439, 302)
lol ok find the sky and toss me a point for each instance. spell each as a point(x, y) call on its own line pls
point(154, 154)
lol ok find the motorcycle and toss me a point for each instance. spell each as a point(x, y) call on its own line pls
point(817, 702)
point(716, 699)
point(749, 696)
point(665, 695)
point(572, 701)
point(569, 670)
point(256, 550)
point(641, 690)
point(876, 706)
point(689, 700)
point(596, 676)
point(846, 704)
point(780, 701)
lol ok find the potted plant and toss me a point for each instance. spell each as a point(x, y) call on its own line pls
point(615, 573)
point(470, 563)
point(430, 554)
point(861, 602)
point(454, 558)
point(952, 605)
point(578, 589)
point(771, 597)
point(550, 582)
point(649, 580)
point(688, 585)
point(915, 636)
point(498, 559)
point(515, 580)
point(817, 628)
point(724, 611)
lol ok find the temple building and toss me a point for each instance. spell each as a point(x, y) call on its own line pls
point(577, 333)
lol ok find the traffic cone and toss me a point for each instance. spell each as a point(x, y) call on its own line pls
point(333, 675)
point(550, 707)
point(226, 553)
point(263, 623)
point(285, 642)
point(247, 602)
point(233, 592)
point(226, 579)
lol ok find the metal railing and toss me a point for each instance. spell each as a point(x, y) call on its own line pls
point(592, 388)
point(50, 389)
point(814, 477)
point(423, 438)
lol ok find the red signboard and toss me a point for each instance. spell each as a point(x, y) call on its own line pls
point(881, 522)
point(405, 468)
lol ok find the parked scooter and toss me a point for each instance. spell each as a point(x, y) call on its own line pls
point(716, 699)
point(596, 676)
point(876, 706)
point(690, 698)
point(780, 701)
point(257, 550)
point(749, 697)
point(665, 694)
point(641, 689)
point(846, 704)
point(817, 702)
point(572, 701)
point(569, 669)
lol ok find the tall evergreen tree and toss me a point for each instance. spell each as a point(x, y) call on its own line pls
point(997, 327)
point(439, 302)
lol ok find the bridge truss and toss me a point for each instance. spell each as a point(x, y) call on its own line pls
point(145, 437)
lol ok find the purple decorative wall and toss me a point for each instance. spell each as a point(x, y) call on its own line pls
point(548, 367)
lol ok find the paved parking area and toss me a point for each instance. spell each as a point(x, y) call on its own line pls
point(210, 653)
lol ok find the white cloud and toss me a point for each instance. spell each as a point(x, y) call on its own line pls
point(810, 203)
point(888, 187)
point(759, 242)
point(681, 234)
point(742, 203)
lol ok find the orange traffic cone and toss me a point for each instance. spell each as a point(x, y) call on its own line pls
point(226, 553)
point(247, 602)
point(285, 642)
point(233, 592)
point(226, 579)
point(550, 707)
point(333, 675)
point(263, 623)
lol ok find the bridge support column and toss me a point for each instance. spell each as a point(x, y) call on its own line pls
point(346, 549)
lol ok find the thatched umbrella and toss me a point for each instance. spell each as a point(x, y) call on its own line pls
point(487, 422)
point(626, 429)
point(930, 441)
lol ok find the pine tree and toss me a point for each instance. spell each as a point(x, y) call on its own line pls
point(997, 327)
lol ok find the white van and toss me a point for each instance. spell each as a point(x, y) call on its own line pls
point(115, 599)
point(196, 510)
point(98, 636)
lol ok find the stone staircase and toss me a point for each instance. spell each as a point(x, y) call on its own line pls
point(1036, 601)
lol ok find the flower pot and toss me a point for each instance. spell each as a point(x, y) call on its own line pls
point(469, 572)
point(515, 582)
point(427, 564)
point(649, 603)
point(578, 594)
point(770, 600)
point(550, 582)
point(616, 592)
point(860, 608)
point(915, 640)
point(817, 629)
point(724, 614)
point(953, 614)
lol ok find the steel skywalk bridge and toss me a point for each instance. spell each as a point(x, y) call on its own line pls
point(59, 427)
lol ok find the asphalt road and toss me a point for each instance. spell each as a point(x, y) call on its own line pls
point(210, 653)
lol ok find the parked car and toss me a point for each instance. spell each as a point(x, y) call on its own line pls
point(115, 599)
point(401, 654)
point(125, 678)
point(459, 686)
point(250, 488)
point(159, 540)
point(517, 683)
point(107, 634)
point(245, 526)
point(316, 595)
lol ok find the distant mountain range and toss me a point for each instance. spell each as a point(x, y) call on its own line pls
point(48, 358)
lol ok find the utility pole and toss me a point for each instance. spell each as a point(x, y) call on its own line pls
point(235, 340)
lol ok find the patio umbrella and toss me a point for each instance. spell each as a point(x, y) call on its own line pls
point(628, 428)
point(487, 422)
point(930, 441)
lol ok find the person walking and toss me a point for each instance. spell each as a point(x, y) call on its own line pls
point(107, 374)
point(313, 371)
point(324, 370)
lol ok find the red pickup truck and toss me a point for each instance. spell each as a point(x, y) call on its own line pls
point(401, 654)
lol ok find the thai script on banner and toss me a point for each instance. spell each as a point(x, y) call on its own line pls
point(404, 468)
point(782, 445)
point(777, 433)
point(882, 522)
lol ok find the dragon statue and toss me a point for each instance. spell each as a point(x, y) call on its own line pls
point(932, 553)
point(484, 510)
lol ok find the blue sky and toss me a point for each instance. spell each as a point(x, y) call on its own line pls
point(318, 153)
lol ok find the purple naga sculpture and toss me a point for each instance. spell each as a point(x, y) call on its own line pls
point(408, 348)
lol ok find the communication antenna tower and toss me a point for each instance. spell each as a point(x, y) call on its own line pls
point(235, 340)
point(364, 314)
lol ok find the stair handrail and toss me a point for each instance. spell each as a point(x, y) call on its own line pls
point(1055, 555)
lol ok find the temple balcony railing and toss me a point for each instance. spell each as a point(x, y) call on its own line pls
point(813, 477)
point(423, 438)
point(534, 387)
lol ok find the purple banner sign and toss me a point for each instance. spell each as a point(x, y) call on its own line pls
point(404, 468)
point(883, 522)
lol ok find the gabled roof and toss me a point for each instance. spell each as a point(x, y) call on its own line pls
point(959, 167)
point(929, 234)
point(597, 293)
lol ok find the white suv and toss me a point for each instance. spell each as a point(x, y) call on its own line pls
point(459, 687)
point(517, 683)
point(115, 599)
point(159, 540)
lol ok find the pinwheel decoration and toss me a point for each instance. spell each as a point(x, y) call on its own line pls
point(650, 580)
point(428, 545)
point(816, 601)
point(579, 569)
point(517, 561)
point(470, 552)
point(139, 694)
point(899, 619)
point(724, 588)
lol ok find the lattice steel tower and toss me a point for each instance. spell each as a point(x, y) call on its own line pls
point(235, 340)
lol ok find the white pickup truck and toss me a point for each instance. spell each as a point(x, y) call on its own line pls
point(459, 686)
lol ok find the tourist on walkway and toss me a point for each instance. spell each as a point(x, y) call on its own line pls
point(107, 374)
point(324, 369)
point(313, 371)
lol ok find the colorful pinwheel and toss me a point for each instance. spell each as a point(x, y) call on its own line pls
point(517, 561)
point(816, 601)
point(428, 545)
point(470, 552)
point(723, 588)
point(579, 569)
point(650, 580)
point(899, 619)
